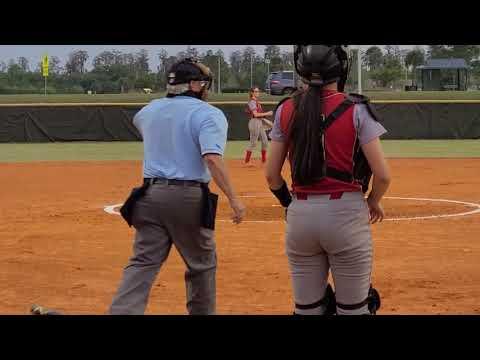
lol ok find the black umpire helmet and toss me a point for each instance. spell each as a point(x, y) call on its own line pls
point(320, 65)
point(188, 70)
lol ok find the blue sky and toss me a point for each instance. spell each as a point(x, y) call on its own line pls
point(34, 52)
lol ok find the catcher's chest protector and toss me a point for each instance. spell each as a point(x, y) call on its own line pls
point(339, 136)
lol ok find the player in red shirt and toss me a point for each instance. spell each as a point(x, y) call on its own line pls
point(332, 143)
point(256, 124)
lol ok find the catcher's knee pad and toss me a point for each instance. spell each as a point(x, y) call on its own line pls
point(328, 301)
point(372, 300)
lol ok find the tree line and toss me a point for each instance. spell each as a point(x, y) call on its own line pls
point(119, 72)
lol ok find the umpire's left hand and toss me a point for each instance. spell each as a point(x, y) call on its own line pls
point(239, 210)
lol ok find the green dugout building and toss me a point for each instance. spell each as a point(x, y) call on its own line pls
point(443, 74)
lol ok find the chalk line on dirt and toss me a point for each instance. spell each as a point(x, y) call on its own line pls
point(111, 209)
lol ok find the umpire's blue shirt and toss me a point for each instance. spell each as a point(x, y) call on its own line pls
point(176, 133)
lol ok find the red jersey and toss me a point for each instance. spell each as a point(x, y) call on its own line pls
point(340, 140)
point(258, 108)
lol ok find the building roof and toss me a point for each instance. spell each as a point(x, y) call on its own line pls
point(451, 63)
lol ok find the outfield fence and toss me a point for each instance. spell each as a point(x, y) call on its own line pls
point(47, 122)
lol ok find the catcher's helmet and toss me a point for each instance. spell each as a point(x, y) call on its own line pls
point(188, 70)
point(320, 65)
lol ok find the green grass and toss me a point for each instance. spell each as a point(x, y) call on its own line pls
point(144, 98)
point(71, 151)
point(104, 151)
point(431, 148)
point(424, 95)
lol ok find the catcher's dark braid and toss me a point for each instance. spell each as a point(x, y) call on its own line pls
point(305, 136)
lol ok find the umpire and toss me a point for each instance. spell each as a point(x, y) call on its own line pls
point(184, 140)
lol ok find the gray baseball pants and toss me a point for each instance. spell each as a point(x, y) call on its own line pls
point(329, 234)
point(255, 127)
point(166, 215)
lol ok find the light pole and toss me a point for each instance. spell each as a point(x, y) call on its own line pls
point(251, 71)
point(293, 62)
point(218, 84)
point(359, 66)
point(267, 61)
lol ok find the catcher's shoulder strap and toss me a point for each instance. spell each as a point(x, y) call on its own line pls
point(358, 98)
point(350, 100)
point(337, 112)
point(362, 99)
point(361, 171)
point(326, 121)
point(334, 115)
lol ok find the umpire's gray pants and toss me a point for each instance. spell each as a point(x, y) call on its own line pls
point(256, 129)
point(166, 215)
point(324, 234)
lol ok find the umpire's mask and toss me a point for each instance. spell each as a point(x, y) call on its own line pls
point(319, 65)
point(184, 71)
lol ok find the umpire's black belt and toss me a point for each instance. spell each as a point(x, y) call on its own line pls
point(165, 181)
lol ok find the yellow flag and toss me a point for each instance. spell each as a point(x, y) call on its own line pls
point(45, 65)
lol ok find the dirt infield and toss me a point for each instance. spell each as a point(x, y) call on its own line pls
point(59, 248)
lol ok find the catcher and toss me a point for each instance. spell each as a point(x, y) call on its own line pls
point(257, 125)
point(332, 143)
